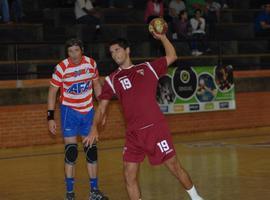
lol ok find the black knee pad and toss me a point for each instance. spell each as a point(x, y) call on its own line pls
point(91, 154)
point(71, 153)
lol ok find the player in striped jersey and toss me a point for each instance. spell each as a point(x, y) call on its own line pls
point(76, 77)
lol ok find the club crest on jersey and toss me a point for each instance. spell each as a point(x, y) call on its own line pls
point(78, 73)
point(141, 71)
point(79, 88)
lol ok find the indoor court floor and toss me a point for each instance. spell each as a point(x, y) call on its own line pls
point(224, 165)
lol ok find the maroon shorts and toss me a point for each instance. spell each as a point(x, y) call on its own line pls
point(155, 141)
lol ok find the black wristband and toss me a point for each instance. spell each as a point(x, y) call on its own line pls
point(50, 115)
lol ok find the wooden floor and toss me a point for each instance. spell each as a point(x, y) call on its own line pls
point(228, 165)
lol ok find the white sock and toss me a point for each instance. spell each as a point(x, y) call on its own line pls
point(194, 194)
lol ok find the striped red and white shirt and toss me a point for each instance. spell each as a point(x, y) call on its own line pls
point(75, 82)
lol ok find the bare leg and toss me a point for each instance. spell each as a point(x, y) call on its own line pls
point(179, 172)
point(131, 178)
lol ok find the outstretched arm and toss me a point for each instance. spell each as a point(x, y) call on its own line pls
point(98, 119)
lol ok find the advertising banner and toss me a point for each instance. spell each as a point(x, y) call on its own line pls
point(196, 89)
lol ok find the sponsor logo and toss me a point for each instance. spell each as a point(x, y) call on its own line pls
point(184, 76)
point(209, 106)
point(178, 108)
point(224, 105)
point(164, 109)
point(194, 107)
point(79, 88)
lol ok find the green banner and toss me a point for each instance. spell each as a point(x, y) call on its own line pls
point(196, 89)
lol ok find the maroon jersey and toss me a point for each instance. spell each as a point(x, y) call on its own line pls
point(136, 88)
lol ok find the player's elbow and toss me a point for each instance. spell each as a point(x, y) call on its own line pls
point(171, 59)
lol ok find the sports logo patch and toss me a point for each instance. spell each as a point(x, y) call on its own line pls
point(141, 71)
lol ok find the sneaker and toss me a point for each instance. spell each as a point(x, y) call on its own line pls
point(174, 36)
point(70, 196)
point(97, 195)
point(196, 53)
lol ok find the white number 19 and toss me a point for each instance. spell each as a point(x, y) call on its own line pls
point(163, 145)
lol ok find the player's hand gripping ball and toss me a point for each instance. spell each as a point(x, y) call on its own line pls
point(158, 25)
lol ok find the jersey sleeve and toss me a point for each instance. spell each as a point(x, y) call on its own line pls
point(107, 90)
point(96, 74)
point(160, 66)
point(57, 77)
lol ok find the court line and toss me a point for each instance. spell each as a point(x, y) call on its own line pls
point(196, 144)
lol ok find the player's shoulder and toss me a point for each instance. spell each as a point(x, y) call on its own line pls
point(112, 75)
point(89, 60)
point(141, 65)
point(62, 65)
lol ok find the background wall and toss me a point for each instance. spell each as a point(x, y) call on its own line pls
point(25, 125)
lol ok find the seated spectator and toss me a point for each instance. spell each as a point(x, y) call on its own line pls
point(262, 22)
point(175, 7)
point(182, 27)
point(114, 3)
point(198, 34)
point(16, 10)
point(212, 14)
point(86, 14)
point(153, 9)
point(193, 5)
point(5, 11)
point(225, 3)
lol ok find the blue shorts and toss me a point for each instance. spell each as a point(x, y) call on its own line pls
point(74, 123)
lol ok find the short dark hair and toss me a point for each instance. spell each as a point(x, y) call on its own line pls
point(73, 42)
point(198, 10)
point(122, 42)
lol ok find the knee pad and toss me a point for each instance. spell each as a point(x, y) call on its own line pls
point(71, 153)
point(91, 154)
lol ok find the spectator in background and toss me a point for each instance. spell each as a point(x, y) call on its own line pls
point(198, 34)
point(175, 7)
point(154, 8)
point(193, 5)
point(212, 14)
point(86, 14)
point(182, 27)
point(114, 3)
point(16, 10)
point(224, 3)
point(5, 11)
point(262, 22)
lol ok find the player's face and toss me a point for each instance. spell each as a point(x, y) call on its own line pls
point(75, 53)
point(119, 54)
point(267, 8)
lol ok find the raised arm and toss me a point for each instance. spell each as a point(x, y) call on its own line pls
point(168, 46)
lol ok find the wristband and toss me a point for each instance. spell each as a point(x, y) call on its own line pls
point(50, 115)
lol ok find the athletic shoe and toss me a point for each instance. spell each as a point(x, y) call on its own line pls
point(97, 195)
point(70, 196)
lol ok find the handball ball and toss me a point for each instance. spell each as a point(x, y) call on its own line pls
point(158, 25)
